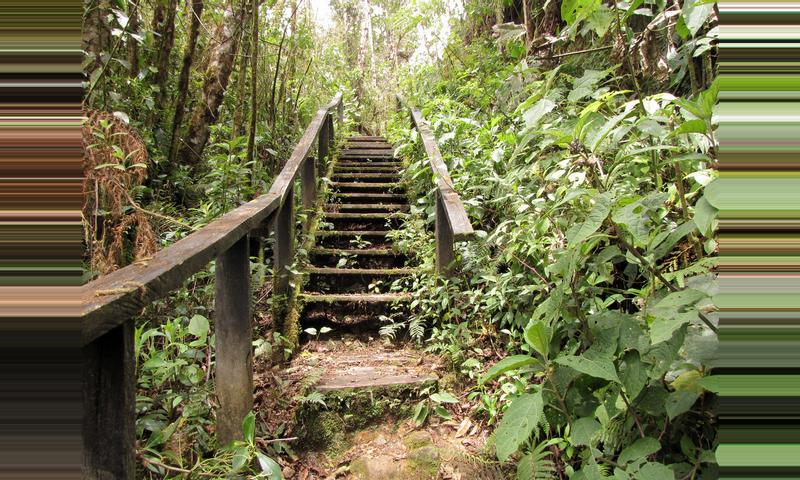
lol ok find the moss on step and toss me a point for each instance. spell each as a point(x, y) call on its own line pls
point(423, 463)
point(347, 411)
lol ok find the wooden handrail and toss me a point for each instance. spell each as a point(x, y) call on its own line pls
point(109, 303)
point(452, 222)
point(110, 300)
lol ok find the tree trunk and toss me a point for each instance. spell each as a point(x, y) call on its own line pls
point(527, 16)
point(166, 30)
point(96, 31)
point(133, 44)
point(251, 140)
point(183, 80)
point(241, 86)
point(223, 55)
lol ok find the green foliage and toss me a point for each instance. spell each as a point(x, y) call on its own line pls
point(587, 190)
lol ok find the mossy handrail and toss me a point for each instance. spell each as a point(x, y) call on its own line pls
point(110, 303)
point(452, 221)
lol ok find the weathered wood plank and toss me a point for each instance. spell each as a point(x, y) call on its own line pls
point(454, 208)
point(234, 334)
point(112, 299)
point(308, 183)
point(109, 412)
point(284, 245)
point(444, 239)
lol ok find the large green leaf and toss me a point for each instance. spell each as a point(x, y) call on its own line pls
point(269, 466)
point(695, 14)
point(198, 326)
point(506, 364)
point(635, 217)
point(594, 220)
point(597, 368)
point(633, 374)
point(704, 216)
point(680, 402)
point(534, 114)
point(655, 471)
point(519, 422)
point(639, 449)
point(537, 334)
point(576, 10)
point(583, 431)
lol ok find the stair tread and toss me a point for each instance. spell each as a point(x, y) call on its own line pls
point(371, 377)
point(356, 297)
point(366, 174)
point(354, 233)
point(367, 184)
point(353, 251)
point(369, 164)
point(355, 206)
point(370, 195)
point(360, 271)
point(364, 215)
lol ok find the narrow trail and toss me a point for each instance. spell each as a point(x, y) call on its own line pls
point(358, 391)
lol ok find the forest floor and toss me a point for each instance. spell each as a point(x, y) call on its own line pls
point(365, 430)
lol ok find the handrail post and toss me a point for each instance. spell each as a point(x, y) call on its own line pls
point(340, 111)
point(331, 133)
point(109, 395)
point(284, 243)
point(323, 142)
point(308, 183)
point(234, 333)
point(444, 239)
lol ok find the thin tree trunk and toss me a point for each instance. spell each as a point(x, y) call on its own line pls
point(223, 55)
point(133, 44)
point(167, 40)
point(183, 81)
point(528, 19)
point(241, 87)
point(251, 140)
point(96, 31)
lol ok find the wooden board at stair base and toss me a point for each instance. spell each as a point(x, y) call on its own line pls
point(372, 377)
point(352, 363)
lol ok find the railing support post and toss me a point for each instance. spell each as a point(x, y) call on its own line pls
point(324, 141)
point(284, 243)
point(308, 183)
point(109, 395)
point(234, 334)
point(444, 239)
point(340, 111)
point(331, 133)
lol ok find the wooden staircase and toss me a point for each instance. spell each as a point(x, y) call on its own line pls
point(354, 264)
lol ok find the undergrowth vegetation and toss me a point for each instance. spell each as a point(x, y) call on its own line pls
point(582, 307)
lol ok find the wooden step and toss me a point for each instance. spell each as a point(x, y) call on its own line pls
point(366, 169)
point(372, 377)
point(366, 138)
point(360, 185)
point(368, 153)
point(361, 271)
point(375, 144)
point(354, 251)
point(369, 164)
point(355, 297)
point(338, 207)
point(352, 233)
point(366, 196)
point(370, 175)
point(363, 216)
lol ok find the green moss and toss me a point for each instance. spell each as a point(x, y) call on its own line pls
point(417, 439)
point(424, 463)
point(323, 430)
